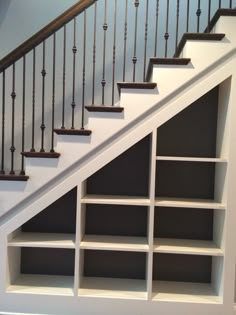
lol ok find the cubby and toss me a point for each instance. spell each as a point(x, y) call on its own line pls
point(113, 273)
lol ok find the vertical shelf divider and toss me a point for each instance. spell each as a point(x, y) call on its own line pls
point(79, 231)
point(151, 212)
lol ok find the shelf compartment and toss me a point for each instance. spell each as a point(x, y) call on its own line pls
point(114, 264)
point(118, 243)
point(190, 159)
point(113, 288)
point(185, 179)
point(47, 240)
point(183, 246)
point(126, 175)
point(183, 136)
point(185, 292)
point(59, 217)
point(116, 200)
point(43, 284)
point(189, 203)
point(115, 220)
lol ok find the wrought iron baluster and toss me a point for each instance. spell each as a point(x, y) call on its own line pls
point(63, 80)
point(177, 25)
point(33, 101)
point(22, 172)
point(84, 71)
point(230, 4)
point(125, 38)
point(114, 56)
point(53, 92)
point(156, 28)
point(136, 4)
point(167, 35)
point(105, 27)
point(13, 97)
point(198, 13)
point(94, 50)
point(145, 41)
point(2, 171)
point(74, 50)
point(209, 14)
point(43, 72)
point(187, 22)
point(219, 3)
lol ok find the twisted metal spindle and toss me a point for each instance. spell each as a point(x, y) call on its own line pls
point(156, 28)
point(125, 38)
point(74, 50)
point(22, 172)
point(136, 4)
point(167, 35)
point(114, 56)
point(94, 51)
point(145, 41)
point(198, 13)
point(2, 171)
point(105, 27)
point(43, 72)
point(13, 97)
point(53, 92)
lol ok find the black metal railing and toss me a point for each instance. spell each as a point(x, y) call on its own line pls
point(77, 60)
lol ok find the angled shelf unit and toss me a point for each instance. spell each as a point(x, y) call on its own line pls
point(150, 225)
point(41, 253)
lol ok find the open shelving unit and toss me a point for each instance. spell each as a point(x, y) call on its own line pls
point(150, 225)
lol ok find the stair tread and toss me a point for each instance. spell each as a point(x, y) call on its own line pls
point(136, 85)
point(218, 14)
point(197, 36)
point(52, 155)
point(165, 61)
point(14, 177)
point(104, 108)
point(73, 132)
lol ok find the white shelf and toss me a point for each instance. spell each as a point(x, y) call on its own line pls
point(108, 242)
point(113, 288)
point(190, 159)
point(116, 200)
point(43, 284)
point(184, 292)
point(47, 240)
point(189, 203)
point(182, 246)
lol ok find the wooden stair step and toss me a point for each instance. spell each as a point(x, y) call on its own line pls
point(197, 36)
point(136, 85)
point(14, 177)
point(50, 155)
point(104, 109)
point(165, 61)
point(218, 14)
point(73, 132)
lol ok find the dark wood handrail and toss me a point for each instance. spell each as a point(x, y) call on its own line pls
point(44, 33)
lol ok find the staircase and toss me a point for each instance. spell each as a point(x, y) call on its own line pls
point(202, 62)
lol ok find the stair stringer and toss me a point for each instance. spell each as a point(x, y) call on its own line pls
point(119, 145)
point(107, 128)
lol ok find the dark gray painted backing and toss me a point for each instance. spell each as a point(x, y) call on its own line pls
point(47, 261)
point(185, 179)
point(192, 132)
point(116, 220)
point(183, 223)
point(186, 268)
point(114, 264)
point(59, 217)
point(127, 175)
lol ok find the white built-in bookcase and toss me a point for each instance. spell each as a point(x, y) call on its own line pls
point(150, 225)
